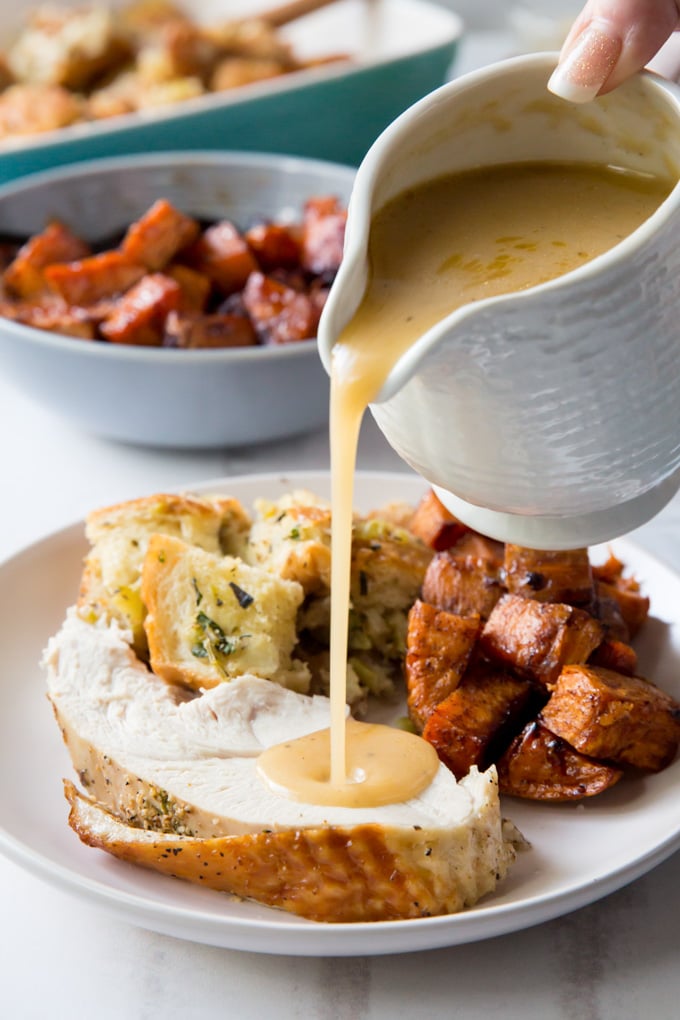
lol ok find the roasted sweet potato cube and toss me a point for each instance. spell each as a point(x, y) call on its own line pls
point(619, 718)
point(195, 287)
point(462, 584)
point(538, 765)
point(323, 235)
point(472, 725)
point(156, 237)
point(538, 638)
point(563, 576)
point(280, 314)
point(611, 583)
point(24, 276)
point(438, 649)
point(479, 547)
point(610, 571)
point(616, 655)
point(193, 330)
point(224, 256)
point(633, 606)
point(55, 317)
point(139, 316)
point(608, 611)
point(92, 279)
point(433, 523)
point(276, 246)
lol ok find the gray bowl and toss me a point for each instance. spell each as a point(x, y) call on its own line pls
point(158, 396)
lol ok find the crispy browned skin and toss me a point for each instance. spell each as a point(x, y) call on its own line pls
point(619, 718)
point(539, 765)
point(468, 726)
point(462, 584)
point(353, 874)
point(549, 576)
point(438, 649)
point(434, 525)
point(538, 638)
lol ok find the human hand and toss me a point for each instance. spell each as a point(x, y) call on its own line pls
point(609, 41)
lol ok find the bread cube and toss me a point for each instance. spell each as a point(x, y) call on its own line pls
point(119, 536)
point(213, 618)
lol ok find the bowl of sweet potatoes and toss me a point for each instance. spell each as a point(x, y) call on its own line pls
point(172, 299)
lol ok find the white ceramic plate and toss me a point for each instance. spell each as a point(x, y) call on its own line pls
point(579, 852)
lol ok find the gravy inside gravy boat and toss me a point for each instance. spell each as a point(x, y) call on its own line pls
point(509, 297)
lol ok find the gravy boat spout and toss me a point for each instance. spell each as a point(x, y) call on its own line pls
point(548, 416)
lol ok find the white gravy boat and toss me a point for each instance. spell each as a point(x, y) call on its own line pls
point(548, 417)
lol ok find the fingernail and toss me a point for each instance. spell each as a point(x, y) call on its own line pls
point(584, 69)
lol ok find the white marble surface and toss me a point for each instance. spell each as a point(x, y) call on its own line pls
point(61, 958)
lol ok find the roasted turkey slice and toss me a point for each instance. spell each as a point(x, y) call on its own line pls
point(173, 784)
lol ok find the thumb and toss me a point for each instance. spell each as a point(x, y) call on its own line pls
point(609, 41)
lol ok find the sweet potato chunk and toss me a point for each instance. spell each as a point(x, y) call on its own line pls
point(619, 718)
point(276, 246)
point(434, 525)
point(156, 237)
point(24, 277)
point(323, 235)
point(471, 725)
point(92, 279)
point(192, 330)
point(438, 649)
point(479, 547)
point(538, 638)
point(195, 287)
point(634, 608)
point(223, 255)
point(139, 316)
point(608, 611)
point(279, 313)
point(611, 583)
point(563, 576)
point(616, 655)
point(538, 765)
point(55, 317)
point(462, 584)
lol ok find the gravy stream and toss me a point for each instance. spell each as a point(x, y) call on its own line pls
point(434, 248)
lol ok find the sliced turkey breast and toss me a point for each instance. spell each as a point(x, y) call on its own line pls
point(173, 784)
